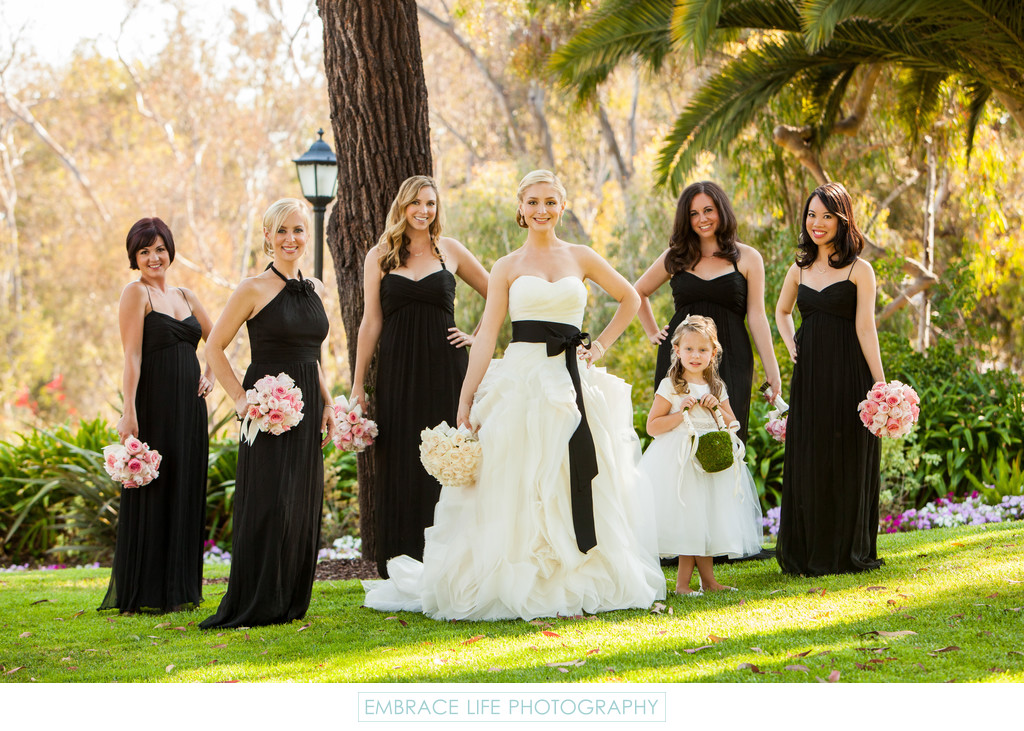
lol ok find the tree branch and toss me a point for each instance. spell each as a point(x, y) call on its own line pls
point(851, 124)
point(797, 140)
point(496, 86)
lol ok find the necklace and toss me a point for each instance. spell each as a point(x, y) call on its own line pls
point(820, 269)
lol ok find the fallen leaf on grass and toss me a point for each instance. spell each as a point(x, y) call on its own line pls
point(162, 625)
point(570, 663)
point(775, 591)
point(1015, 652)
point(997, 670)
point(78, 614)
point(1013, 609)
point(955, 616)
point(875, 588)
point(549, 633)
point(802, 654)
point(658, 608)
point(474, 638)
point(951, 648)
point(750, 667)
point(692, 650)
point(217, 647)
point(884, 633)
point(817, 590)
point(594, 651)
point(801, 668)
point(756, 649)
point(41, 601)
point(833, 677)
point(563, 670)
point(862, 666)
point(715, 638)
point(494, 670)
point(12, 671)
point(169, 668)
point(540, 623)
point(400, 621)
point(25, 634)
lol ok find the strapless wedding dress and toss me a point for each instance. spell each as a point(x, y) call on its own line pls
point(506, 547)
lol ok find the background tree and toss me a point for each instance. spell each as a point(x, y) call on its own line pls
point(379, 114)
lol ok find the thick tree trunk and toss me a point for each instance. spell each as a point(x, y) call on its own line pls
point(381, 129)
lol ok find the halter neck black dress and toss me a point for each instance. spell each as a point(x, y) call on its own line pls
point(830, 482)
point(724, 300)
point(158, 557)
point(419, 377)
point(280, 479)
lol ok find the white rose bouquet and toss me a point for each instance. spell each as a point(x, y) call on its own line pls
point(451, 455)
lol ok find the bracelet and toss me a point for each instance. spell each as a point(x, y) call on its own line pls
point(597, 343)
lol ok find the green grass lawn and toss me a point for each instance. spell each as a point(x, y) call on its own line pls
point(946, 607)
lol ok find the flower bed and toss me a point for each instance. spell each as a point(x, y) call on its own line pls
point(942, 513)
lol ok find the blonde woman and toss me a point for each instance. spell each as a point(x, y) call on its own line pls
point(280, 478)
point(559, 522)
point(409, 312)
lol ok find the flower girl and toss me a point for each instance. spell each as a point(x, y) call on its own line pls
point(700, 513)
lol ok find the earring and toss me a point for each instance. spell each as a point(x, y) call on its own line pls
point(520, 220)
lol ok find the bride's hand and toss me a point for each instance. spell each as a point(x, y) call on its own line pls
point(591, 355)
point(463, 416)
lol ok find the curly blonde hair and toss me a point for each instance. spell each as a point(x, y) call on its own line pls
point(537, 176)
point(393, 243)
point(705, 327)
point(278, 212)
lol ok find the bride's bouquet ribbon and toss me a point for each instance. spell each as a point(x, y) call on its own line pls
point(559, 337)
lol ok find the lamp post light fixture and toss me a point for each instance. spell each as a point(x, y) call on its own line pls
point(318, 177)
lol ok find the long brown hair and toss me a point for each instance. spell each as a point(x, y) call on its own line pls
point(684, 243)
point(394, 243)
point(705, 327)
point(849, 241)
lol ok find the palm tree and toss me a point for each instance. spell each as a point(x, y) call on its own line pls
point(823, 50)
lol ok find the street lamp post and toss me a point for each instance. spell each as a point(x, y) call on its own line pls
point(318, 177)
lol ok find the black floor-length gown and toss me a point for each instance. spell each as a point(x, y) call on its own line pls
point(419, 377)
point(724, 300)
point(280, 479)
point(158, 558)
point(829, 521)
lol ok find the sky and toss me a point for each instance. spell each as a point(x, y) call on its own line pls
point(54, 28)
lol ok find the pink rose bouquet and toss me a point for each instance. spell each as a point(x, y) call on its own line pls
point(354, 431)
point(776, 425)
point(275, 406)
point(133, 463)
point(890, 409)
point(452, 456)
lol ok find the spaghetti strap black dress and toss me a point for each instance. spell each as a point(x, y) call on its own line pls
point(158, 556)
point(724, 300)
point(419, 377)
point(830, 482)
point(280, 479)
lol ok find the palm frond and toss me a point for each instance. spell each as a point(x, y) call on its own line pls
point(693, 22)
point(978, 94)
point(918, 99)
point(780, 15)
point(727, 103)
point(617, 30)
point(836, 93)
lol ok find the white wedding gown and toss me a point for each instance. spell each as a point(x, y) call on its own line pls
point(505, 547)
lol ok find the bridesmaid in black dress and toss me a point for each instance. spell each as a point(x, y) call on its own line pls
point(713, 275)
point(830, 483)
point(280, 481)
point(409, 310)
point(158, 558)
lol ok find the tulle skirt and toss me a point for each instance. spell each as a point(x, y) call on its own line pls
point(505, 547)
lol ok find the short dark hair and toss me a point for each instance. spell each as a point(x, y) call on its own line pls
point(142, 234)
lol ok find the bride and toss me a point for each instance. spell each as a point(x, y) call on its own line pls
point(560, 521)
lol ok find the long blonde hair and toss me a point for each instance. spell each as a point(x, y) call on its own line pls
point(705, 327)
point(277, 213)
point(537, 176)
point(393, 243)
